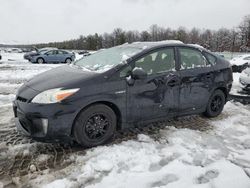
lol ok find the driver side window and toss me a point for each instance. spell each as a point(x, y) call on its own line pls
point(49, 52)
point(52, 52)
point(157, 62)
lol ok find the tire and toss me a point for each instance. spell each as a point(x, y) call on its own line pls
point(68, 61)
point(215, 104)
point(40, 60)
point(95, 125)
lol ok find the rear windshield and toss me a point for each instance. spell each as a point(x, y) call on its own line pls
point(104, 60)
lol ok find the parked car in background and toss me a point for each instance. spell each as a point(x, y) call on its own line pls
point(52, 56)
point(240, 60)
point(127, 85)
point(84, 53)
point(16, 50)
point(26, 50)
point(28, 56)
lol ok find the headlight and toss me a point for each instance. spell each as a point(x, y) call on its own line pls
point(53, 95)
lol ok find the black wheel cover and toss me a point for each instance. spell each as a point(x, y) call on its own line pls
point(96, 127)
point(216, 103)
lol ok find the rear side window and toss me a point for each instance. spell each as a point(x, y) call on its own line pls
point(191, 58)
point(62, 52)
point(210, 58)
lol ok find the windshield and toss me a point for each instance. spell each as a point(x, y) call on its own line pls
point(104, 60)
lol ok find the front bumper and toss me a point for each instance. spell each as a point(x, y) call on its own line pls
point(52, 122)
point(27, 57)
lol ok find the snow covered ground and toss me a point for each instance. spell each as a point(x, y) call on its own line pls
point(217, 156)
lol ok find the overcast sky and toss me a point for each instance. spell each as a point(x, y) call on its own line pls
point(32, 21)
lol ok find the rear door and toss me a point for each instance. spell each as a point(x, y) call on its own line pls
point(197, 79)
point(61, 56)
point(157, 96)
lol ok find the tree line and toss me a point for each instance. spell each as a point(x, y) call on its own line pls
point(235, 40)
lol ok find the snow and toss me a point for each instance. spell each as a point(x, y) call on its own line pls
point(125, 57)
point(13, 57)
point(62, 183)
point(180, 157)
point(159, 42)
point(197, 46)
point(236, 84)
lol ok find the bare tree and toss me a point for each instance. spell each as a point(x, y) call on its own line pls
point(235, 39)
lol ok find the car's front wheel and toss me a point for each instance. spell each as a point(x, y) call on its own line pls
point(95, 125)
point(40, 60)
point(215, 104)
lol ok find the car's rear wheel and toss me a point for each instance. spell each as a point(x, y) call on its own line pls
point(68, 61)
point(215, 104)
point(40, 60)
point(95, 125)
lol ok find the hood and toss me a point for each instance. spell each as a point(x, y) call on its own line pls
point(63, 76)
point(31, 54)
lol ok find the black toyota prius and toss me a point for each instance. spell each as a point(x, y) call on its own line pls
point(120, 87)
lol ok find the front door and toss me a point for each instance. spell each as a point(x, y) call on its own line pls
point(51, 56)
point(156, 96)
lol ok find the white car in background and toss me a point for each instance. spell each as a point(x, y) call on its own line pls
point(240, 60)
point(245, 80)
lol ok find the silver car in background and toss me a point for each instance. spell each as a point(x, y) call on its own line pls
point(52, 56)
point(36, 51)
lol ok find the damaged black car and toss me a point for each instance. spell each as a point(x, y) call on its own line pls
point(120, 87)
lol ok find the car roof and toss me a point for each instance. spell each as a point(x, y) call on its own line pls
point(148, 45)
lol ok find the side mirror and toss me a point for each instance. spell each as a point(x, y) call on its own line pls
point(138, 73)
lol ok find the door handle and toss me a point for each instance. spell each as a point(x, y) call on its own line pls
point(173, 81)
point(209, 75)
